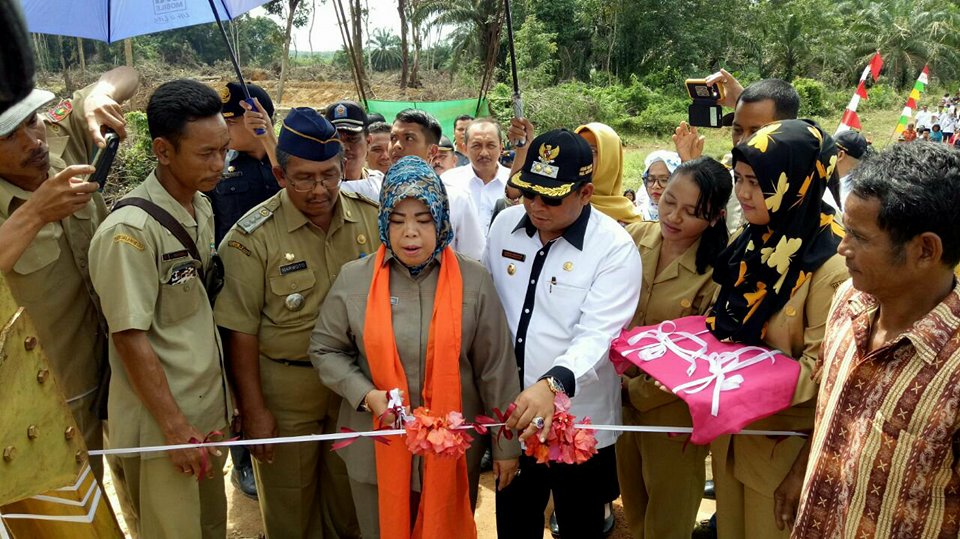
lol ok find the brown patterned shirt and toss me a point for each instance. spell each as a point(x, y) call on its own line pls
point(884, 460)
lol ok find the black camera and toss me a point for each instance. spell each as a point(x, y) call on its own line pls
point(704, 111)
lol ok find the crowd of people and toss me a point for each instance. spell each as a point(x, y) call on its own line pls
point(936, 126)
point(302, 280)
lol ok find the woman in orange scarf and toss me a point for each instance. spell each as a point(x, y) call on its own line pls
point(422, 319)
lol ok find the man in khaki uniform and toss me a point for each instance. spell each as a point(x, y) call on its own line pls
point(47, 223)
point(168, 384)
point(280, 260)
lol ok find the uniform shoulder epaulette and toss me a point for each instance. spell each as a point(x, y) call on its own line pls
point(255, 218)
point(59, 112)
point(362, 198)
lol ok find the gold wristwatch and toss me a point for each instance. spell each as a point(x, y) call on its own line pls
point(554, 385)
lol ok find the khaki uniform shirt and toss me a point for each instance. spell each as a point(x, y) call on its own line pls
point(147, 281)
point(676, 292)
point(488, 367)
point(279, 268)
point(51, 279)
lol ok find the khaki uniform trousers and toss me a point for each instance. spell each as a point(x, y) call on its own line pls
point(746, 471)
point(305, 492)
point(661, 478)
point(173, 505)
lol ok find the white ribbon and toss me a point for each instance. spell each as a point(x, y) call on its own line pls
point(721, 364)
point(395, 404)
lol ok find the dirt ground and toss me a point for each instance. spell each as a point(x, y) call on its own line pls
point(243, 514)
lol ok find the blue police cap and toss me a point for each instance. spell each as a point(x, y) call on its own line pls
point(306, 134)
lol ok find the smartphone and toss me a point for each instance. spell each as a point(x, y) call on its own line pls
point(103, 161)
point(704, 111)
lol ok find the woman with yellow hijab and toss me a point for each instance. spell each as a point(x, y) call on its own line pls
point(608, 173)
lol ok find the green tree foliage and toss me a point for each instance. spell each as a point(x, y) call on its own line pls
point(536, 53)
point(384, 50)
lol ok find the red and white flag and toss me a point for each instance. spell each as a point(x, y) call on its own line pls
point(850, 119)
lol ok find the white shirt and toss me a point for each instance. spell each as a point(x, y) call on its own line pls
point(469, 235)
point(368, 186)
point(846, 185)
point(948, 122)
point(583, 288)
point(485, 195)
point(925, 119)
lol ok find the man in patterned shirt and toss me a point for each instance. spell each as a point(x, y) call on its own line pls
point(884, 457)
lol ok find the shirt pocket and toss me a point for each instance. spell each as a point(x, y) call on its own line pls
point(181, 291)
point(36, 267)
point(282, 307)
point(566, 298)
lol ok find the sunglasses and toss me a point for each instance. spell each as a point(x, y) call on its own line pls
point(530, 195)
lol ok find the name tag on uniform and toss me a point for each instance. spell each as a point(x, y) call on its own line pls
point(519, 257)
point(176, 254)
point(296, 266)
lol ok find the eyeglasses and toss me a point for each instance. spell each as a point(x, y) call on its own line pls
point(305, 185)
point(661, 181)
point(530, 195)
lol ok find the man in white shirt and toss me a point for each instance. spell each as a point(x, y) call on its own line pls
point(485, 178)
point(948, 122)
point(569, 279)
point(417, 133)
point(351, 122)
point(924, 118)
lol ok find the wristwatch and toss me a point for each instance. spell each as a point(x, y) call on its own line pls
point(554, 385)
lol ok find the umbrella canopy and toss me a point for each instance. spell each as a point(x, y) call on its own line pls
point(114, 20)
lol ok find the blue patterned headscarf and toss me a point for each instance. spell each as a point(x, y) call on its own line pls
point(412, 177)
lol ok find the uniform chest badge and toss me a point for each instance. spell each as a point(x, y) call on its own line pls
point(289, 257)
point(568, 266)
point(294, 302)
point(511, 269)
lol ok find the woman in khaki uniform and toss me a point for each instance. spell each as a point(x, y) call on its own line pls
point(662, 476)
point(777, 280)
point(379, 329)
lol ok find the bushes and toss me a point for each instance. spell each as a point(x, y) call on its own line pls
point(813, 97)
point(633, 108)
point(134, 160)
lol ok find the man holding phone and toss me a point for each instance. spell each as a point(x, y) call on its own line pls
point(47, 217)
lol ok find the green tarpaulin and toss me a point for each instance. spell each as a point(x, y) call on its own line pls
point(444, 111)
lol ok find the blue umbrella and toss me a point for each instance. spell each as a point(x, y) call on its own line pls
point(113, 20)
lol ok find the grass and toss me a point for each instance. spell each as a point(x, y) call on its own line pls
point(877, 125)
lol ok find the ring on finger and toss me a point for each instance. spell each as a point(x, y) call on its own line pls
point(538, 422)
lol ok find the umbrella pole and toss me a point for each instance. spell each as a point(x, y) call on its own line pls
point(233, 60)
point(517, 102)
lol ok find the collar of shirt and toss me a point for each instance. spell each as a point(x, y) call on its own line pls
point(927, 343)
point(295, 219)
point(652, 240)
point(165, 200)
point(390, 258)
point(574, 234)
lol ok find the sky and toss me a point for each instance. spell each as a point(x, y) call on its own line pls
point(326, 34)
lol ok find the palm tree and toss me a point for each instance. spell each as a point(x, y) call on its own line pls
point(384, 50)
point(477, 26)
point(909, 34)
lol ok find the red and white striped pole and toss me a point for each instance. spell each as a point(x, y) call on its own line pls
point(850, 119)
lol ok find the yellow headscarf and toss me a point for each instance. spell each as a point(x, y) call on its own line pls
point(608, 175)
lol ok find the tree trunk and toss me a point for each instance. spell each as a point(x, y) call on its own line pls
point(493, 50)
point(128, 51)
point(83, 61)
point(356, 14)
point(285, 60)
point(415, 32)
point(404, 45)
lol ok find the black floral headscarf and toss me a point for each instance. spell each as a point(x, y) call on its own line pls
point(766, 265)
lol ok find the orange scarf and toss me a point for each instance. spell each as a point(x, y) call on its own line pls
point(445, 499)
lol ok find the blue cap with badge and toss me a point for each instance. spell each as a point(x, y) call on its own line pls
point(306, 134)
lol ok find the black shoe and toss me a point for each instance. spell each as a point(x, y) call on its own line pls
point(486, 462)
point(242, 478)
point(709, 490)
point(609, 523)
point(554, 527)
